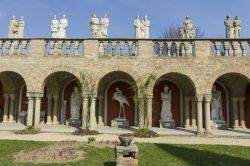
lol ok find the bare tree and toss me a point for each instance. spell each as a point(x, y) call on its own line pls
point(173, 32)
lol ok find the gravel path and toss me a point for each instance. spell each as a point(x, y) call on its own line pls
point(6, 135)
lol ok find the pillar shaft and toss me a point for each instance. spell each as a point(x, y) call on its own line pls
point(194, 113)
point(242, 112)
point(85, 116)
point(6, 108)
point(92, 120)
point(55, 109)
point(100, 111)
point(187, 111)
point(12, 108)
point(37, 111)
point(30, 111)
point(199, 100)
point(235, 112)
point(149, 112)
point(207, 114)
point(49, 112)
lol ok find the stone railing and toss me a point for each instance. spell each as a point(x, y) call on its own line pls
point(64, 47)
point(174, 47)
point(18, 47)
point(118, 47)
point(230, 47)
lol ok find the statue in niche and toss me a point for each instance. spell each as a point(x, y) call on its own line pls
point(166, 114)
point(189, 28)
point(99, 29)
point(229, 27)
point(58, 28)
point(118, 96)
point(104, 25)
point(75, 101)
point(237, 27)
point(137, 25)
point(216, 106)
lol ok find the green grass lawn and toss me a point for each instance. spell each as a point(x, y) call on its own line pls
point(149, 154)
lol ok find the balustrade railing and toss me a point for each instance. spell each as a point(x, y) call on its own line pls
point(117, 47)
point(64, 47)
point(18, 47)
point(230, 47)
point(174, 47)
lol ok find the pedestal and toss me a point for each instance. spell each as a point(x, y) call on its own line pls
point(219, 124)
point(120, 122)
point(75, 122)
point(126, 156)
point(167, 124)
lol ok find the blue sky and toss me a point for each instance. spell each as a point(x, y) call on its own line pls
point(206, 14)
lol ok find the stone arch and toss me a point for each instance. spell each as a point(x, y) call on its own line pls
point(106, 87)
point(180, 86)
point(226, 70)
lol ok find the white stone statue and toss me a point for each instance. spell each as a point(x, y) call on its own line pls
point(21, 25)
point(189, 28)
point(181, 33)
point(16, 28)
point(118, 96)
point(145, 27)
point(54, 27)
point(62, 27)
point(216, 106)
point(229, 27)
point(237, 27)
point(75, 101)
point(137, 25)
point(99, 29)
point(104, 26)
point(166, 114)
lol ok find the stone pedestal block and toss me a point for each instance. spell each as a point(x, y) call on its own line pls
point(126, 156)
point(167, 124)
point(120, 122)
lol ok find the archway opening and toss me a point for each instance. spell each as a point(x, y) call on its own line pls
point(180, 86)
point(109, 106)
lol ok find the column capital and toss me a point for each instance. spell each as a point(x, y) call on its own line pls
point(12, 96)
point(234, 99)
point(49, 97)
point(100, 97)
point(55, 97)
point(199, 98)
point(34, 94)
point(187, 98)
point(208, 98)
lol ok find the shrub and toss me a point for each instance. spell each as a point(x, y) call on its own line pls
point(28, 130)
point(85, 132)
point(145, 133)
point(91, 140)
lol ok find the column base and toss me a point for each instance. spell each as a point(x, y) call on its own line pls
point(5, 121)
point(193, 126)
point(243, 127)
point(187, 126)
point(101, 124)
point(49, 123)
point(11, 121)
point(235, 127)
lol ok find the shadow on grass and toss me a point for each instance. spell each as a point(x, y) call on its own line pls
point(200, 157)
point(109, 163)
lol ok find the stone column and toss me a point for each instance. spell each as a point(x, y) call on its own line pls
point(12, 108)
point(187, 111)
point(193, 112)
point(235, 112)
point(55, 109)
point(242, 112)
point(207, 114)
point(199, 100)
point(49, 112)
point(37, 110)
point(6, 108)
point(92, 119)
point(149, 112)
point(30, 111)
point(85, 103)
point(100, 112)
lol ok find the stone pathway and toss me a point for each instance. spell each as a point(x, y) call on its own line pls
point(171, 136)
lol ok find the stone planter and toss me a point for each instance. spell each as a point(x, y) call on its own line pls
point(126, 139)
